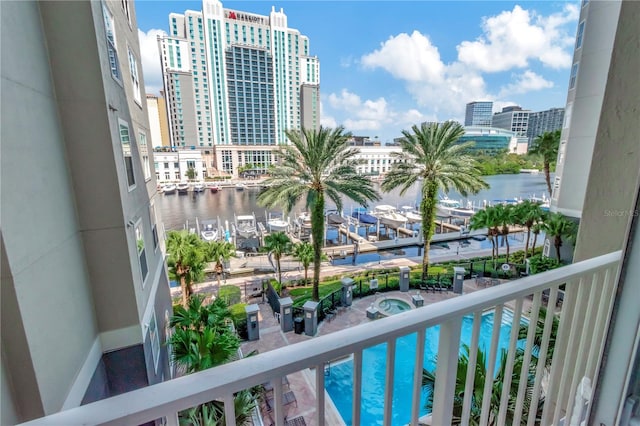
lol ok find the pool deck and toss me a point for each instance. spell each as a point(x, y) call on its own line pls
point(302, 383)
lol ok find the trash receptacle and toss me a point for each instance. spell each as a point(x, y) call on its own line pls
point(458, 279)
point(298, 325)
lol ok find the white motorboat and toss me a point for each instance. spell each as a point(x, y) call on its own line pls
point(209, 230)
point(277, 223)
point(183, 188)
point(246, 226)
point(198, 187)
point(543, 201)
point(240, 186)
point(389, 217)
point(411, 214)
point(447, 207)
point(169, 189)
point(304, 220)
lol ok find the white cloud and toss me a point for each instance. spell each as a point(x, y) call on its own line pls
point(326, 120)
point(151, 60)
point(510, 40)
point(408, 57)
point(513, 38)
point(528, 81)
point(359, 115)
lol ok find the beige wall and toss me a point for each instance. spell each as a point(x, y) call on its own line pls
point(40, 226)
point(613, 180)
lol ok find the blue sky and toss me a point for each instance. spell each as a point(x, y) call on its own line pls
point(388, 65)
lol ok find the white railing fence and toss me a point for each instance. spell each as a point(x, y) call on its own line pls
point(586, 290)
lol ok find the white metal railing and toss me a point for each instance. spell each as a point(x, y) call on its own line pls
point(586, 308)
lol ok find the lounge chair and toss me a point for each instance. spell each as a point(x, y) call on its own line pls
point(268, 386)
point(296, 421)
point(287, 398)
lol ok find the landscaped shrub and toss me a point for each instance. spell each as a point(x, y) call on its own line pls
point(230, 294)
point(539, 263)
point(239, 317)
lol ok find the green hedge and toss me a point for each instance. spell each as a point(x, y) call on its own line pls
point(231, 294)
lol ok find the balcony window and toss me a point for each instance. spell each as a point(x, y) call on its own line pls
point(574, 76)
point(580, 35)
point(125, 143)
point(141, 253)
point(111, 43)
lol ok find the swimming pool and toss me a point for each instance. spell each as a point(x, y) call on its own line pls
point(339, 382)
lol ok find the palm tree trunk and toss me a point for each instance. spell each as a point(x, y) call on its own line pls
point(306, 275)
point(547, 176)
point(533, 246)
point(317, 231)
point(279, 270)
point(558, 243)
point(526, 243)
point(185, 291)
point(506, 239)
point(428, 210)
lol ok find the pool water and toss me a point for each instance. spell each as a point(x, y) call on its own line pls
point(339, 382)
point(393, 306)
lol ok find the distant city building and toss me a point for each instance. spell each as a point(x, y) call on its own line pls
point(479, 113)
point(377, 160)
point(172, 166)
point(158, 123)
point(236, 81)
point(363, 141)
point(492, 140)
point(512, 118)
point(544, 121)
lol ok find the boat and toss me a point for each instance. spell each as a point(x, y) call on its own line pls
point(304, 220)
point(411, 214)
point(246, 226)
point(209, 230)
point(543, 201)
point(214, 188)
point(447, 207)
point(334, 219)
point(390, 217)
point(198, 187)
point(240, 186)
point(276, 223)
point(169, 189)
point(363, 217)
point(182, 188)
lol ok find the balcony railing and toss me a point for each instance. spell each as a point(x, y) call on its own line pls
point(587, 301)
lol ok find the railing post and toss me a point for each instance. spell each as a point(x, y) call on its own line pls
point(446, 371)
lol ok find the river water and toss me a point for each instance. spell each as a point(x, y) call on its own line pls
point(176, 210)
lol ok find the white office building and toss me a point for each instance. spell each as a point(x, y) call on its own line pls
point(173, 166)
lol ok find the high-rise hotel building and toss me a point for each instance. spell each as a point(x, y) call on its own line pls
point(236, 81)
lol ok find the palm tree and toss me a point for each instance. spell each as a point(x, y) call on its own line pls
point(487, 219)
point(202, 339)
point(318, 164)
point(304, 253)
point(528, 214)
point(278, 244)
point(547, 145)
point(506, 216)
point(219, 252)
point(536, 229)
point(557, 227)
point(480, 376)
point(186, 260)
point(539, 332)
point(431, 152)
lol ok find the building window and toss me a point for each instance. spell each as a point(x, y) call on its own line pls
point(125, 140)
point(111, 43)
point(135, 81)
point(142, 257)
point(574, 75)
point(125, 6)
point(155, 340)
point(154, 226)
point(144, 155)
point(579, 36)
